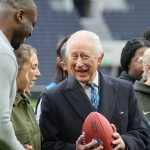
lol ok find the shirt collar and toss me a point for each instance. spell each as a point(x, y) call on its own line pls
point(95, 81)
point(21, 97)
point(5, 39)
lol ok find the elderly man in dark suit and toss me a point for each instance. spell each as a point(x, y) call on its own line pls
point(65, 107)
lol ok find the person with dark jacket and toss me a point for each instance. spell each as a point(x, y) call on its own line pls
point(65, 107)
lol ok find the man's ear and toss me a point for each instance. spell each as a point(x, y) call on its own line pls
point(147, 67)
point(63, 65)
point(100, 58)
point(19, 15)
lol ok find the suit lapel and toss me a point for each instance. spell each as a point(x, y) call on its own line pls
point(108, 92)
point(77, 98)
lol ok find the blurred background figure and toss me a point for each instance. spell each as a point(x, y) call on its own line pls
point(142, 89)
point(61, 71)
point(83, 7)
point(132, 68)
point(25, 125)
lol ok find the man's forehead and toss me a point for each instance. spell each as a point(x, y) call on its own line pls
point(80, 50)
point(81, 46)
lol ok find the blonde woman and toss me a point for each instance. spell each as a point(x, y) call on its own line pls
point(23, 119)
point(142, 88)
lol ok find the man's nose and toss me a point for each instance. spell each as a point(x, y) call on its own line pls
point(79, 62)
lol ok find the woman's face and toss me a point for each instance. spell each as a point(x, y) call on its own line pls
point(28, 74)
point(34, 72)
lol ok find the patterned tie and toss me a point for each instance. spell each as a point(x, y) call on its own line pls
point(94, 96)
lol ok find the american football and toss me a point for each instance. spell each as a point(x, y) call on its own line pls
point(97, 127)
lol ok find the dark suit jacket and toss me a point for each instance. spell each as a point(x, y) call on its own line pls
point(65, 107)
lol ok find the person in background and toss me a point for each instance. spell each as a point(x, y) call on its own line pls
point(61, 71)
point(17, 20)
point(65, 107)
point(132, 69)
point(25, 125)
point(142, 89)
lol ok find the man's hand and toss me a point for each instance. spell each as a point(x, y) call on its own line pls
point(117, 143)
point(92, 145)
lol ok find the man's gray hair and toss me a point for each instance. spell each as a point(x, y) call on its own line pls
point(91, 35)
point(145, 61)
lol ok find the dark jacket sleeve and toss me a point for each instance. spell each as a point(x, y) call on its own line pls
point(136, 137)
point(49, 124)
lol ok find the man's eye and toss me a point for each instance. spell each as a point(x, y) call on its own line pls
point(74, 57)
point(85, 57)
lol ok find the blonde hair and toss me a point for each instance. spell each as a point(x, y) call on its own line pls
point(146, 57)
point(145, 61)
point(23, 55)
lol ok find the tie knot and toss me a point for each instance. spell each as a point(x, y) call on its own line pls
point(92, 85)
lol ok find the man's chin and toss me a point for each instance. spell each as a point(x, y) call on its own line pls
point(15, 46)
point(84, 81)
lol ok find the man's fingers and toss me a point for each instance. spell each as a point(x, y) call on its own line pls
point(114, 127)
point(80, 140)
